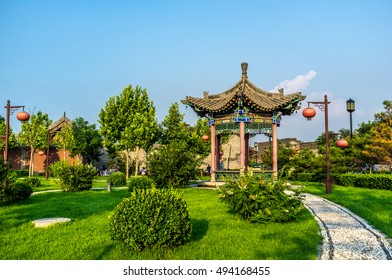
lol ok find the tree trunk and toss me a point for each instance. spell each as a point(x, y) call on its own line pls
point(137, 161)
point(126, 164)
point(31, 168)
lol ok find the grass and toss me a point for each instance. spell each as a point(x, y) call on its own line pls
point(50, 184)
point(218, 233)
point(373, 205)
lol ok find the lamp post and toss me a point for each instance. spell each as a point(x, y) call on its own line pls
point(256, 150)
point(22, 116)
point(350, 107)
point(309, 113)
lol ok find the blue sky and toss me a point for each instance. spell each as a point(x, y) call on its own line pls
point(72, 56)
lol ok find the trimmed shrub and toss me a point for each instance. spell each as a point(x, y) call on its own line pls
point(305, 177)
point(33, 182)
point(117, 179)
point(140, 182)
point(20, 173)
point(21, 190)
point(258, 201)
point(73, 177)
point(173, 165)
point(151, 218)
point(374, 181)
point(11, 189)
point(15, 191)
point(347, 179)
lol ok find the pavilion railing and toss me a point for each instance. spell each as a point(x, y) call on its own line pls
point(222, 175)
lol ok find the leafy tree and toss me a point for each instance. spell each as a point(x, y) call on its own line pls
point(372, 141)
point(87, 140)
point(285, 154)
point(34, 133)
point(11, 139)
point(363, 129)
point(174, 126)
point(81, 139)
point(305, 161)
point(176, 161)
point(128, 122)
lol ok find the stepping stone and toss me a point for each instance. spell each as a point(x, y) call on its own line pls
point(50, 221)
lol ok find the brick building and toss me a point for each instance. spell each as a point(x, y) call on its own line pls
point(19, 157)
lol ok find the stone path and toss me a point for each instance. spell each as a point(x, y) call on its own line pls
point(346, 236)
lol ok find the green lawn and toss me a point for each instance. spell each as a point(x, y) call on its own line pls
point(218, 233)
point(375, 206)
point(50, 184)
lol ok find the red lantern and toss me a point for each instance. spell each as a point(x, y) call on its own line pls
point(309, 113)
point(23, 116)
point(204, 138)
point(342, 143)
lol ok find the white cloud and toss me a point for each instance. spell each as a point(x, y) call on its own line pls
point(299, 83)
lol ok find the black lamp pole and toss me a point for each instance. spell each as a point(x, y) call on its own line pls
point(350, 106)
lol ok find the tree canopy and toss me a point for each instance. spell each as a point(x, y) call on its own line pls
point(128, 123)
point(34, 134)
point(80, 139)
point(179, 155)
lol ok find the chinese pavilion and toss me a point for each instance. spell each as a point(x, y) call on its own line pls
point(246, 110)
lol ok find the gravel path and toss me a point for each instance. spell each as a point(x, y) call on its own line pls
point(346, 236)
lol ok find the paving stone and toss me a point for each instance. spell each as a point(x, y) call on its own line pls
point(50, 221)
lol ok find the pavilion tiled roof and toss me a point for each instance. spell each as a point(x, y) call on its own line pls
point(258, 100)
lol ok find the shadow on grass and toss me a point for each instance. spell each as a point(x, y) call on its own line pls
point(199, 229)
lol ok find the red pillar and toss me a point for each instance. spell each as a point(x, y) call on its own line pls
point(217, 152)
point(242, 147)
point(213, 155)
point(246, 151)
point(274, 151)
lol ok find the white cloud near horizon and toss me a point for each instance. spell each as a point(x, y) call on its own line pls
point(299, 83)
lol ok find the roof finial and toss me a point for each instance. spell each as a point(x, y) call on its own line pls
point(244, 66)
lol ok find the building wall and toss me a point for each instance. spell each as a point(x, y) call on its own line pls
point(231, 154)
point(19, 159)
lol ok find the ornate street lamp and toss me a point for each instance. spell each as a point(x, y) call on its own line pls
point(22, 116)
point(350, 107)
point(309, 113)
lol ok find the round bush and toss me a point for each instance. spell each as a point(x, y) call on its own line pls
point(140, 182)
point(151, 218)
point(16, 191)
point(117, 179)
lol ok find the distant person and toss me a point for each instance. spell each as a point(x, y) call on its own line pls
point(208, 169)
